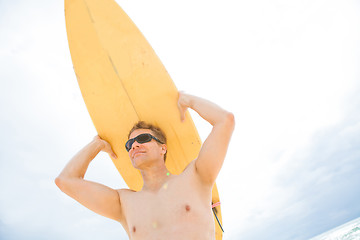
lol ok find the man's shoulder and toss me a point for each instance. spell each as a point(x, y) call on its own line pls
point(190, 172)
point(190, 167)
point(190, 178)
point(125, 191)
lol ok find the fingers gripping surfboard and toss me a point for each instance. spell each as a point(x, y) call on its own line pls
point(123, 81)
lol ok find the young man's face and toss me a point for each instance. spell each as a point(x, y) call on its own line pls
point(145, 154)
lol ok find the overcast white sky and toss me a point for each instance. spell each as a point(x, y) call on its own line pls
point(287, 69)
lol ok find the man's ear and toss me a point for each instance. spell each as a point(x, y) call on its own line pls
point(164, 148)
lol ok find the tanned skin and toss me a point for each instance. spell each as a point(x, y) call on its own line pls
point(168, 206)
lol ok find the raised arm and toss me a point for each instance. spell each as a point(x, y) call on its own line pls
point(97, 197)
point(213, 151)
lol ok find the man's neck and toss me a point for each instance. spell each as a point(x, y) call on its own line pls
point(154, 177)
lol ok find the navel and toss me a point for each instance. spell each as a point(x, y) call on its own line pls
point(187, 208)
point(134, 229)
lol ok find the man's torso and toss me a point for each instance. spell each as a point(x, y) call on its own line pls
point(181, 209)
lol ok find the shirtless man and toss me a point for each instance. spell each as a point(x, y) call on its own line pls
point(175, 207)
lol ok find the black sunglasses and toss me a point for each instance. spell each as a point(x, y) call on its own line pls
point(142, 138)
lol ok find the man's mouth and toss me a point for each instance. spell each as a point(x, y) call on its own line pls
point(137, 153)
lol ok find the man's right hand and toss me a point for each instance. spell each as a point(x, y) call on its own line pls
point(106, 146)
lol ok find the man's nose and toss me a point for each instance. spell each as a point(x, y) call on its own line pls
point(135, 145)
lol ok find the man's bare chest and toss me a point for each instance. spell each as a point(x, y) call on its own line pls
point(176, 204)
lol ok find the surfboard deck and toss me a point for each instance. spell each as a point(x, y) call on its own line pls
point(123, 81)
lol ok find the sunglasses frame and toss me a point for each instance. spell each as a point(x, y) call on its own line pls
point(131, 141)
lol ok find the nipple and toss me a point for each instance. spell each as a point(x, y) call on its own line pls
point(187, 208)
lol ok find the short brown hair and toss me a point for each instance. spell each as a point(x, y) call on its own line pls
point(154, 129)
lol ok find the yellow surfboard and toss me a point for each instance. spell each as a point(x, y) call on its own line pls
point(122, 81)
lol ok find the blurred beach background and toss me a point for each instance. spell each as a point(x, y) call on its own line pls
point(347, 231)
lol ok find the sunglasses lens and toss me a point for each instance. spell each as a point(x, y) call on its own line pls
point(129, 144)
point(143, 138)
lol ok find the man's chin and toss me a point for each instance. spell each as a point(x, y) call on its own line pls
point(137, 162)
